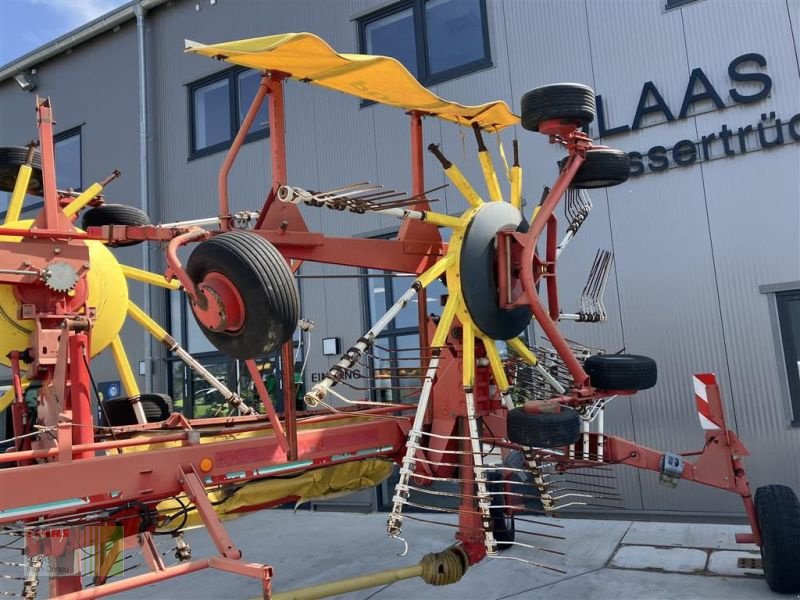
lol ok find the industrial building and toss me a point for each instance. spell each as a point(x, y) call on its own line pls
point(704, 95)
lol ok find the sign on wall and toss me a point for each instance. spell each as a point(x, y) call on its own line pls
point(750, 83)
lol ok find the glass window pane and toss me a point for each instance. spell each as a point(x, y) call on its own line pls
point(176, 303)
point(211, 114)
point(178, 373)
point(382, 372)
point(409, 316)
point(394, 36)
point(208, 402)
point(248, 85)
point(409, 372)
point(791, 331)
point(270, 375)
point(377, 295)
point(455, 33)
point(196, 340)
point(68, 162)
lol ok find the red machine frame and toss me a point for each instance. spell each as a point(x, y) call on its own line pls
point(131, 480)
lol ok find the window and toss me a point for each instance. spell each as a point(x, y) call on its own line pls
point(69, 166)
point(192, 395)
point(789, 321)
point(217, 107)
point(67, 147)
point(396, 355)
point(436, 40)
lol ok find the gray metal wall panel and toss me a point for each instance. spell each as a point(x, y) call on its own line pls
point(544, 48)
point(654, 262)
point(754, 223)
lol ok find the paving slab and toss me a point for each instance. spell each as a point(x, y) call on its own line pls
point(686, 535)
point(617, 584)
point(675, 560)
point(725, 562)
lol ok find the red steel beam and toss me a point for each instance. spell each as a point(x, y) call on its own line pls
point(151, 475)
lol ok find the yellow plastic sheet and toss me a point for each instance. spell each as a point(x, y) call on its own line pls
point(322, 483)
point(382, 79)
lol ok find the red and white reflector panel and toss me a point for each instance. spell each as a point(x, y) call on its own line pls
point(700, 381)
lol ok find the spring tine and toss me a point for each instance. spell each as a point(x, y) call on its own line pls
point(542, 523)
point(346, 187)
point(530, 562)
point(407, 516)
point(532, 547)
point(597, 485)
point(549, 536)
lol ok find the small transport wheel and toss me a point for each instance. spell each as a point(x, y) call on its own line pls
point(621, 371)
point(253, 303)
point(115, 214)
point(566, 102)
point(603, 167)
point(119, 411)
point(502, 518)
point(544, 430)
point(11, 158)
point(778, 512)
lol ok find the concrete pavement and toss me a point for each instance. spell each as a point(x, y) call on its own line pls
point(616, 560)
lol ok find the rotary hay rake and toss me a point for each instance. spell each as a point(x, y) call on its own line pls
point(490, 437)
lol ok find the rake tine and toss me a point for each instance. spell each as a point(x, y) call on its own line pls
point(530, 562)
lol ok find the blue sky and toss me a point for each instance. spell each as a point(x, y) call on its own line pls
point(27, 24)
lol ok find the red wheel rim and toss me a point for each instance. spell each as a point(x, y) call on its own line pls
point(224, 308)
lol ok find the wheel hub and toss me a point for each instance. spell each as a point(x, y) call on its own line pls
point(224, 308)
point(478, 271)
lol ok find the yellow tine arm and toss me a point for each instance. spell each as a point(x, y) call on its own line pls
point(463, 185)
point(518, 346)
point(124, 368)
point(443, 220)
point(454, 175)
point(138, 315)
point(516, 186)
point(91, 192)
point(490, 176)
point(468, 362)
point(8, 397)
point(496, 364)
point(18, 195)
point(432, 274)
point(446, 321)
point(148, 277)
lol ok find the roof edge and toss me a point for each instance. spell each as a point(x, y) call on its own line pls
point(76, 37)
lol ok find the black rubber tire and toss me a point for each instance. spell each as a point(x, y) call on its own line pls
point(119, 411)
point(11, 158)
point(266, 285)
point(567, 102)
point(115, 214)
point(543, 430)
point(603, 167)
point(502, 520)
point(778, 512)
point(621, 371)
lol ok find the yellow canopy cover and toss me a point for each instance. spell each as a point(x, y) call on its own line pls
point(306, 57)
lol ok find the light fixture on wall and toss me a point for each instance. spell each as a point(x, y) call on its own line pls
point(330, 346)
point(27, 80)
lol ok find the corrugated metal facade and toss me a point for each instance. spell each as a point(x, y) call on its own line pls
point(692, 244)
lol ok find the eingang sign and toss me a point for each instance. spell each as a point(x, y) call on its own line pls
point(770, 131)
